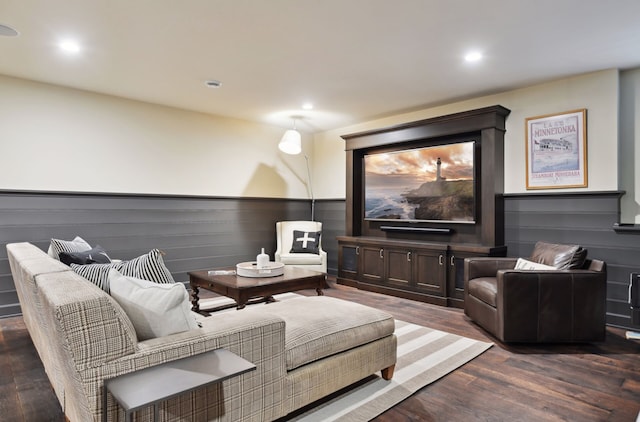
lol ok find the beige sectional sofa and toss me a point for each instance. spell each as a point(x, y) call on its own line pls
point(304, 348)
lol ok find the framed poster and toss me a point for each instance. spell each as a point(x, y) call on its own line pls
point(556, 150)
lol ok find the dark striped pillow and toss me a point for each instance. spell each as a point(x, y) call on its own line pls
point(57, 246)
point(96, 255)
point(98, 274)
point(149, 267)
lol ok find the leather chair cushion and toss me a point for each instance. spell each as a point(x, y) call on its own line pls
point(484, 289)
point(562, 257)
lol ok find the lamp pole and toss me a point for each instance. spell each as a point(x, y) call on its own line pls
point(313, 200)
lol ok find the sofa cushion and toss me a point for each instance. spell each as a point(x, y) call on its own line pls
point(523, 264)
point(320, 326)
point(562, 257)
point(301, 259)
point(306, 242)
point(95, 255)
point(56, 246)
point(156, 310)
point(149, 266)
point(484, 289)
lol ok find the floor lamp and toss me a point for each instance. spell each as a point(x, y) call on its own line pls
point(291, 143)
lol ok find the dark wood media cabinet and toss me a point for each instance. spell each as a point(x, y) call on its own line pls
point(424, 259)
point(424, 271)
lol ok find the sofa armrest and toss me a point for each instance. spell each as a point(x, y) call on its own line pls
point(520, 284)
point(551, 305)
point(88, 326)
point(257, 395)
point(486, 266)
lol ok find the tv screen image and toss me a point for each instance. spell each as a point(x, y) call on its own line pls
point(433, 184)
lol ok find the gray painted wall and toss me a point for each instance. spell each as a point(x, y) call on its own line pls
point(584, 219)
point(201, 233)
point(194, 232)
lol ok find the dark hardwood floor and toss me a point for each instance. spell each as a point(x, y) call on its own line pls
point(584, 382)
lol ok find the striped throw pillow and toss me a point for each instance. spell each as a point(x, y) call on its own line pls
point(57, 246)
point(98, 274)
point(149, 267)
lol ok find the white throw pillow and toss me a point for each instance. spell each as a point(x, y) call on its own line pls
point(523, 264)
point(155, 310)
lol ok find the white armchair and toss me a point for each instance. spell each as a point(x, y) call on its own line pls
point(304, 249)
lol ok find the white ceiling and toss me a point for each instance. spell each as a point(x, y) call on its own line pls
point(353, 59)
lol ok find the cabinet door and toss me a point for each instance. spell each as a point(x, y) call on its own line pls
point(399, 267)
point(348, 261)
point(430, 270)
point(371, 264)
point(455, 276)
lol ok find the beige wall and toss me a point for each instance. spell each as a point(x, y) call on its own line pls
point(58, 139)
point(630, 145)
point(597, 92)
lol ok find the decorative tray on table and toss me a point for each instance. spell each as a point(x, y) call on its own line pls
point(250, 269)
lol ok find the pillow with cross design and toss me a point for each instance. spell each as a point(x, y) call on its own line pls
point(306, 242)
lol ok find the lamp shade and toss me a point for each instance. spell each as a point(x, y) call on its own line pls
point(291, 142)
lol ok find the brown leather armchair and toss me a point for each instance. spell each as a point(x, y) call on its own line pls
point(567, 304)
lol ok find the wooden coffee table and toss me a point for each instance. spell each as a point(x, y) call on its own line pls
point(246, 290)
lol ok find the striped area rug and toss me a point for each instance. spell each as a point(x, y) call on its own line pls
point(424, 356)
point(217, 301)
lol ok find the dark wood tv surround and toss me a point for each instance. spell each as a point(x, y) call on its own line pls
point(424, 260)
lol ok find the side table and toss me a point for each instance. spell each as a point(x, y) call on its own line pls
point(150, 386)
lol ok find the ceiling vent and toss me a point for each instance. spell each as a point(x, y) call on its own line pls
point(213, 84)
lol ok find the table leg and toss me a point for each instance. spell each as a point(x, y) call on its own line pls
point(320, 292)
point(195, 306)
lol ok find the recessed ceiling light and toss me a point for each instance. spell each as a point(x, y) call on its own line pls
point(213, 83)
point(69, 46)
point(7, 31)
point(473, 56)
point(307, 106)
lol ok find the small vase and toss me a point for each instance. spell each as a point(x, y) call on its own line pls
point(262, 260)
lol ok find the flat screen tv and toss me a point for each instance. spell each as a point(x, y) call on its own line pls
point(430, 184)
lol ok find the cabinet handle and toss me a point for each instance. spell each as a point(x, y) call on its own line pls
point(409, 256)
point(441, 259)
point(381, 251)
point(452, 260)
point(357, 250)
